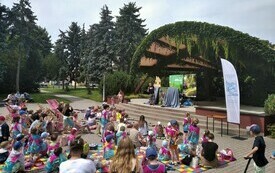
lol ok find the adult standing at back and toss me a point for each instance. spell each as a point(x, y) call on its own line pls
point(125, 160)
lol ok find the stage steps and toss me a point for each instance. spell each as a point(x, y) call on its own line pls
point(153, 114)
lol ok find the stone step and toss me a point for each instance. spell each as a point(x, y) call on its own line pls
point(135, 111)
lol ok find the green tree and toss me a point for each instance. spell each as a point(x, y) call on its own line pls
point(22, 24)
point(129, 31)
point(100, 53)
point(71, 41)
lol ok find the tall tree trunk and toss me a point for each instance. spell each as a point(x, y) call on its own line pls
point(63, 84)
point(18, 73)
point(74, 84)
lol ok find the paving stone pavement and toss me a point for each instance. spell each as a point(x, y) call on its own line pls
point(240, 148)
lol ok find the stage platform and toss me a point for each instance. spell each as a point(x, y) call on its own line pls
point(202, 110)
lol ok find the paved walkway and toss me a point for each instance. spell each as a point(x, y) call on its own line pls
point(240, 148)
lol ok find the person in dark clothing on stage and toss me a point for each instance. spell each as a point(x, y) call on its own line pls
point(151, 92)
point(258, 149)
point(4, 130)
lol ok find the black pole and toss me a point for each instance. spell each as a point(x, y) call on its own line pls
point(249, 159)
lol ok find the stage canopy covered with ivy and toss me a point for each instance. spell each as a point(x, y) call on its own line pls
point(197, 47)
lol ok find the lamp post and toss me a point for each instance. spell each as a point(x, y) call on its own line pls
point(103, 88)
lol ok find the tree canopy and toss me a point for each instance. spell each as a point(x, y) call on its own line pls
point(254, 59)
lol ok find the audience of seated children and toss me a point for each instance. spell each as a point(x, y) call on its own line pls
point(109, 147)
point(72, 136)
point(164, 152)
point(120, 134)
point(4, 151)
point(54, 161)
point(16, 159)
point(152, 163)
point(53, 144)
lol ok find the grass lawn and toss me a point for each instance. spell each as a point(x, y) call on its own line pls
point(40, 97)
point(79, 92)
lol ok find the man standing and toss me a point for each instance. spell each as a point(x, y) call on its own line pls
point(4, 130)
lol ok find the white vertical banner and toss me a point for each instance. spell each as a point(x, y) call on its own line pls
point(232, 92)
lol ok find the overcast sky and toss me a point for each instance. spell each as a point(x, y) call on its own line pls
point(255, 17)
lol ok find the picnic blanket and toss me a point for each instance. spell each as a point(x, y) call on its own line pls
point(187, 169)
point(39, 166)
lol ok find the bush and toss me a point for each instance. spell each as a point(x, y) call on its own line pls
point(116, 81)
point(271, 129)
point(269, 105)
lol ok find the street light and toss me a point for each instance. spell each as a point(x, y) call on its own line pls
point(103, 92)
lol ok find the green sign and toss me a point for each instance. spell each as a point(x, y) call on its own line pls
point(176, 81)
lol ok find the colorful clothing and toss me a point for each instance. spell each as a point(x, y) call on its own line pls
point(44, 148)
point(152, 141)
point(160, 168)
point(164, 154)
point(36, 144)
point(53, 163)
point(52, 146)
point(109, 150)
point(71, 138)
point(194, 132)
point(119, 136)
point(16, 129)
point(158, 130)
point(186, 124)
point(15, 162)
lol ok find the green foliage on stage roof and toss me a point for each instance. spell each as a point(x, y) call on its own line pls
point(269, 105)
point(254, 59)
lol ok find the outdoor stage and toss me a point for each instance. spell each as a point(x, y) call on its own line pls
point(204, 110)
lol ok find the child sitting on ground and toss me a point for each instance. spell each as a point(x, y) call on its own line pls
point(158, 130)
point(35, 146)
point(186, 123)
point(109, 147)
point(53, 144)
point(205, 138)
point(121, 123)
point(55, 160)
point(44, 145)
point(110, 130)
point(16, 159)
point(72, 136)
point(120, 134)
point(151, 140)
point(164, 152)
point(152, 164)
point(4, 151)
point(16, 127)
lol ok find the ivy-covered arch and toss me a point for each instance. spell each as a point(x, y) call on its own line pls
point(198, 46)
